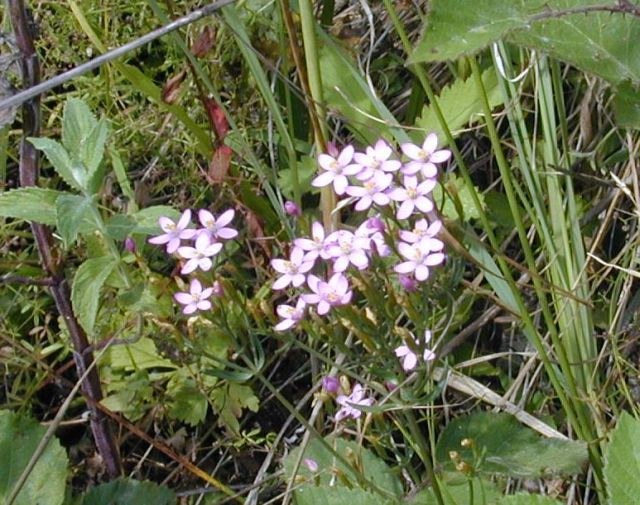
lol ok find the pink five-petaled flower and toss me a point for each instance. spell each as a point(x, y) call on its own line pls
point(372, 190)
point(200, 255)
point(424, 233)
point(195, 299)
point(314, 246)
point(413, 195)
point(424, 158)
point(375, 159)
point(419, 259)
point(174, 232)
point(349, 404)
point(336, 170)
point(217, 228)
point(328, 294)
point(348, 248)
point(293, 270)
point(410, 358)
point(290, 315)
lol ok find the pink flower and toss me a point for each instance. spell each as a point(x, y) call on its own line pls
point(413, 195)
point(292, 209)
point(424, 233)
point(349, 404)
point(348, 249)
point(410, 358)
point(328, 294)
point(216, 227)
point(200, 255)
point(174, 232)
point(336, 170)
point(314, 246)
point(330, 384)
point(293, 270)
point(372, 190)
point(196, 299)
point(376, 159)
point(290, 315)
point(311, 464)
point(419, 260)
point(408, 283)
point(424, 158)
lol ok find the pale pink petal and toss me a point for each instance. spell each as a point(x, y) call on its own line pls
point(323, 179)
point(406, 250)
point(429, 170)
point(189, 266)
point(297, 280)
point(398, 194)
point(183, 298)
point(205, 264)
point(225, 218)
point(166, 224)
point(412, 167)
point(204, 305)
point(422, 273)
point(310, 298)
point(284, 311)
point(185, 219)
point(341, 264)
point(195, 287)
point(206, 218)
point(190, 309)
point(426, 186)
point(434, 259)
point(327, 162)
point(282, 282)
point(405, 267)
point(356, 191)
point(440, 156)
point(346, 155)
point(382, 150)
point(391, 166)
point(187, 252)
point(227, 233)
point(160, 239)
point(340, 184)
point(430, 143)
point(410, 361)
point(323, 307)
point(206, 293)
point(173, 245)
point(296, 255)
point(313, 283)
point(213, 249)
point(284, 325)
point(412, 151)
point(280, 265)
point(428, 355)
point(424, 204)
point(405, 210)
point(360, 260)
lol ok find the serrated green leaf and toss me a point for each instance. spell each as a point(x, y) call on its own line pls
point(460, 103)
point(600, 43)
point(458, 200)
point(124, 491)
point(622, 462)
point(85, 291)
point(72, 172)
point(77, 123)
point(188, 403)
point(120, 226)
point(32, 204)
point(307, 168)
point(91, 154)
point(326, 495)
point(19, 437)
point(229, 402)
point(73, 214)
point(455, 491)
point(364, 462)
point(508, 447)
point(123, 179)
point(527, 499)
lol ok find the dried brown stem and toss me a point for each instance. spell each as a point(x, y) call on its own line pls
point(29, 167)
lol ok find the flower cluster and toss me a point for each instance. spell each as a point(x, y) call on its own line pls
point(203, 245)
point(398, 194)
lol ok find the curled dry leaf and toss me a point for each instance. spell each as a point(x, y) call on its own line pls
point(172, 87)
point(219, 165)
point(203, 44)
point(217, 117)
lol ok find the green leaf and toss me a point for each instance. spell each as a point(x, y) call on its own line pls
point(626, 105)
point(363, 462)
point(595, 42)
point(460, 104)
point(455, 491)
point(72, 172)
point(188, 403)
point(139, 355)
point(32, 204)
point(147, 219)
point(326, 495)
point(527, 499)
point(85, 292)
point(508, 448)
point(622, 462)
point(230, 400)
point(77, 123)
point(124, 491)
point(19, 437)
point(123, 179)
point(91, 154)
point(120, 226)
point(307, 168)
point(73, 215)
point(458, 200)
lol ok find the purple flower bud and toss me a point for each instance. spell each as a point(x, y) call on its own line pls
point(218, 289)
point(391, 386)
point(292, 209)
point(375, 223)
point(311, 464)
point(408, 283)
point(332, 149)
point(129, 245)
point(330, 384)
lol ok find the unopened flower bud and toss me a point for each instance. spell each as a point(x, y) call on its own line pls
point(130, 245)
point(311, 464)
point(332, 149)
point(375, 223)
point(218, 289)
point(330, 384)
point(390, 386)
point(292, 209)
point(408, 283)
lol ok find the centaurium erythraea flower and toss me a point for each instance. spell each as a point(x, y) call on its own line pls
point(200, 255)
point(336, 170)
point(424, 233)
point(419, 259)
point(314, 246)
point(410, 358)
point(423, 158)
point(195, 299)
point(375, 159)
point(412, 196)
point(348, 249)
point(349, 403)
point(328, 294)
point(293, 270)
point(373, 190)
point(290, 315)
point(217, 228)
point(174, 232)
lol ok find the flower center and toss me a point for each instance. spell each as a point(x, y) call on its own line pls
point(332, 297)
point(412, 193)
